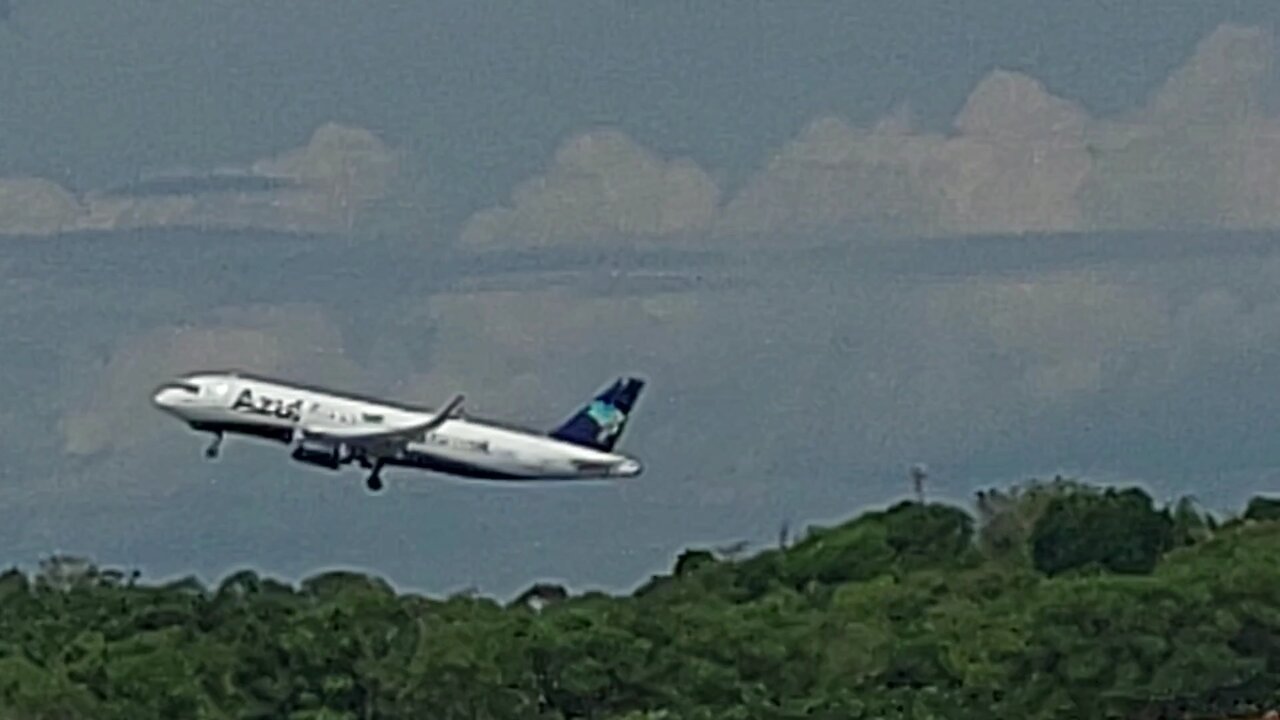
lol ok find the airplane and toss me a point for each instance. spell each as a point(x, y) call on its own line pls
point(330, 429)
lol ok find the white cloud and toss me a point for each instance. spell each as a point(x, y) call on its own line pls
point(31, 206)
point(1221, 328)
point(1018, 161)
point(352, 164)
point(784, 369)
point(1063, 337)
point(1202, 152)
point(505, 343)
point(816, 371)
point(601, 185)
point(1014, 165)
point(327, 185)
point(833, 175)
point(1223, 82)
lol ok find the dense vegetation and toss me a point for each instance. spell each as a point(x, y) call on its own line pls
point(1057, 600)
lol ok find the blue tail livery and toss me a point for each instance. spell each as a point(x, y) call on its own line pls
point(599, 424)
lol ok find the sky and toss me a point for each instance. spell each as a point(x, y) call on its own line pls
point(1001, 239)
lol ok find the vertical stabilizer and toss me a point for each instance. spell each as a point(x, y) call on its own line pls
point(600, 423)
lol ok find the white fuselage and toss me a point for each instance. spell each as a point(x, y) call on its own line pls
point(237, 404)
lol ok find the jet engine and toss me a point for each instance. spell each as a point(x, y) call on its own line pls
point(322, 454)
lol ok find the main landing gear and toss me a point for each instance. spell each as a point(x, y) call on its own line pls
point(211, 452)
point(374, 481)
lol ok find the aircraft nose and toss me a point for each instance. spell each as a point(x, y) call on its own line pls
point(165, 398)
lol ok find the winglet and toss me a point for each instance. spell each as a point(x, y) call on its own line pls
point(394, 435)
point(445, 413)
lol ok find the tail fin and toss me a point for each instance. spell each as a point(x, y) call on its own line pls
point(599, 424)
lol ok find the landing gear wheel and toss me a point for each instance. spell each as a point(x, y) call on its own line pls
point(374, 481)
point(211, 452)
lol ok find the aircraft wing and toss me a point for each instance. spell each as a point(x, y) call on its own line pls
point(381, 439)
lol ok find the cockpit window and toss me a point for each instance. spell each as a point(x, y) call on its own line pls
point(187, 387)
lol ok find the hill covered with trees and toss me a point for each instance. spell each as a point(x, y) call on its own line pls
point(1054, 600)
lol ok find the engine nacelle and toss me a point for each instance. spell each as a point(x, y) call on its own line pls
point(323, 455)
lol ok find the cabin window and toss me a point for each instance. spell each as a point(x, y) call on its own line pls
point(370, 418)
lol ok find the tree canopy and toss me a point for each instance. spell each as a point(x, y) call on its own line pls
point(1054, 600)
